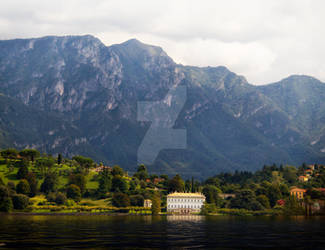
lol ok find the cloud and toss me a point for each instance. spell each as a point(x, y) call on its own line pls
point(261, 40)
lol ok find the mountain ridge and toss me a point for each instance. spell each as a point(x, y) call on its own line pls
point(231, 124)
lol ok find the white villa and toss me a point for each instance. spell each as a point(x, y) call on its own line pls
point(185, 203)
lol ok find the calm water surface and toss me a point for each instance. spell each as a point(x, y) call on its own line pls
point(146, 232)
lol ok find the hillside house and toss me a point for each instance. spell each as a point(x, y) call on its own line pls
point(299, 193)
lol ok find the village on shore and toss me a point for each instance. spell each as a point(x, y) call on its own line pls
point(31, 182)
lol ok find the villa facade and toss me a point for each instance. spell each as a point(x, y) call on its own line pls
point(185, 203)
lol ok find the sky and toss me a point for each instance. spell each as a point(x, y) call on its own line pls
point(263, 40)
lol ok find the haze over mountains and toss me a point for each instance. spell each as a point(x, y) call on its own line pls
point(74, 95)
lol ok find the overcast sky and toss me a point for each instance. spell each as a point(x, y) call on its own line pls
point(262, 40)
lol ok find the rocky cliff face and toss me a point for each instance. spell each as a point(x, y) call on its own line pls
point(93, 91)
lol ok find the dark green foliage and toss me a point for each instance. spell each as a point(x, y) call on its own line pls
point(156, 204)
point(1, 182)
point(212, 194)
point(142, 173)
point(79, 180)
point(29, 154)
point(11, 185)
point(84, 162)
point(274, 194)
point(20, 201)
point(50, 183)
point(245, 199)
point(59, 159)
point(73, 192)
point(119, 184)
point(6, 205)
point(263, 200)
point(293, 206)
point(117, 171)
point(23, 170)
point(208, 208)
point(45, 165)
point(290, 174)
point(5, 200)
point(9, 153)
point(176, 184)
point(60, 198)
point(136, 200)
point(120, 200)
point(315, 194)
point(31, 178)
point(51, 197)
point(23, 187)
point(105, 183)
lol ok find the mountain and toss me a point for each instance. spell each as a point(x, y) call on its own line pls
point(74, 95)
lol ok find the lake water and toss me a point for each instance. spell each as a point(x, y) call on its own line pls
point(146, 232)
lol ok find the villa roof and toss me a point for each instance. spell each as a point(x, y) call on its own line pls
point(295, 189)
point(176, 194)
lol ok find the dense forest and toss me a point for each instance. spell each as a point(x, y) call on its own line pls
point(31, 181)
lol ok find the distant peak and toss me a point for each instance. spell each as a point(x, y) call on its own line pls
point(134, 47)
point(300, 78)
point(133, 41)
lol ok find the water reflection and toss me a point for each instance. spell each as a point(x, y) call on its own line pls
point(172, 218)
point(175, 231)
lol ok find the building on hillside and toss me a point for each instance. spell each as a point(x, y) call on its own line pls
point(185, 203)
point(227, 196)
point(102, 168)
point(312, 167)
point(298, 193)
point(303, 178)
point(147, 203)
point(308, 172)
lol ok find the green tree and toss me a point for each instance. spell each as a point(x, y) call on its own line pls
point(117, 171)
point(120, 200)
point(73, 192)
point(136, 200)
point(263, 200)
point(23, 187)
point(79, 180)
point(29, 154)
point(59, 159)
point(105, 183)
point(60, 198)
point(44, 165)
point(274, 194)
point(31, 178)
point(290, 174)
point(119, 184)
point(20, 201)
point(246, 199)
point(293, 206)
point(9, 153)
point(142, 173)
point(84, 162)
point(214, 181)
point(188, 186)
point(50, 183)
point(211, 193)
point(176, 184)
point(156, 204)
point(23, 170)
point(5, 200)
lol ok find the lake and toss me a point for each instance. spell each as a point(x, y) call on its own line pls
point(147, 232)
